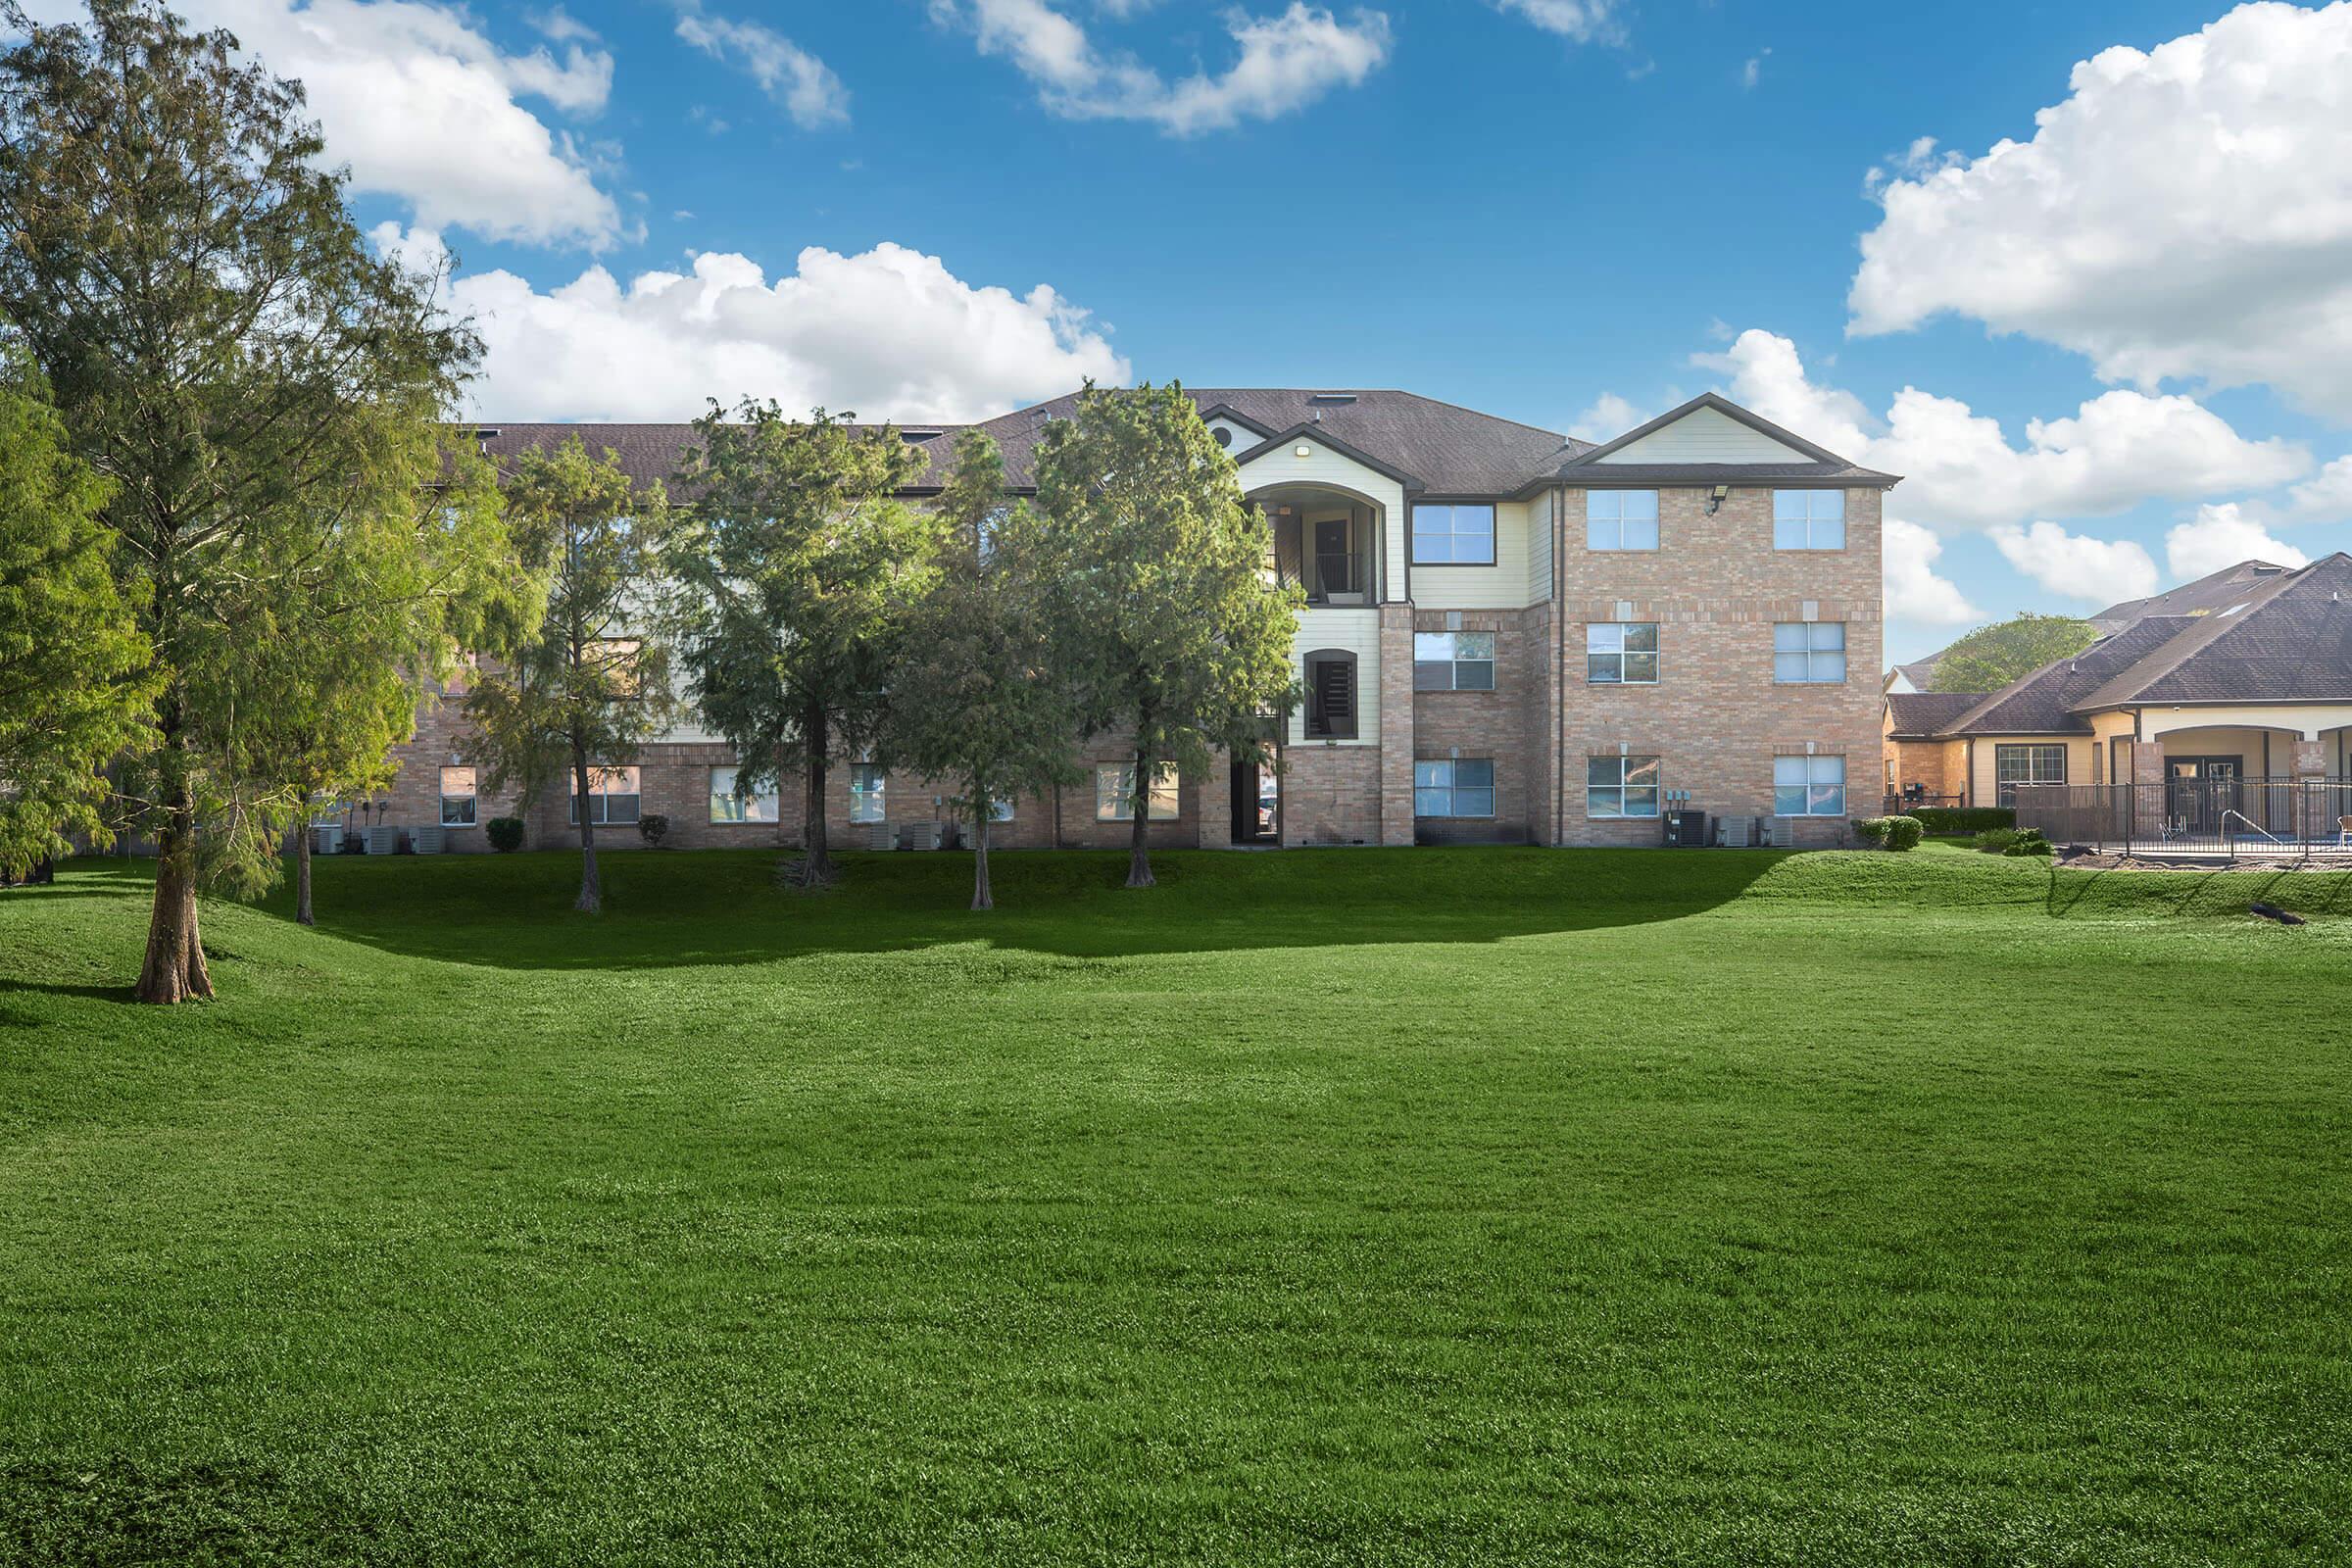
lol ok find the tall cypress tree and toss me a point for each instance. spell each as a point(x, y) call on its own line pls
point(268, 396)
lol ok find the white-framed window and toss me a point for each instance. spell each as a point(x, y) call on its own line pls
point(1621, 520)
point(457, 797)
point(1453, 661)
point(1459, 786)
point(1000, 810)
point(1621, 653)
point(2027, 763)
point(728, 807)
point(1808, 520)
point(612, 797)
point(1114, 793)
point(1621, 786)
point(1448, 534)
point(1808, 652)
point(1808, 786)
point(326, 811)
point(866, 794)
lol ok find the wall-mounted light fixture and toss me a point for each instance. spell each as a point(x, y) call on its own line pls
point(1303, 450)
point(1717, 497)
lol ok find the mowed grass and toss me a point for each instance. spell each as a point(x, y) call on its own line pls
point(1327, 1207)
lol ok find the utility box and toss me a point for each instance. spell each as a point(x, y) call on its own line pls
point(1686, 830)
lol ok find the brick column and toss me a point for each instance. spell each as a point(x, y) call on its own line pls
point(1396, 725)
point(1212, 800)
point(2147, 762)
point(2311, 759)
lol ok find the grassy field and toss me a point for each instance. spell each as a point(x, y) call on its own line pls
point(1333, 1207)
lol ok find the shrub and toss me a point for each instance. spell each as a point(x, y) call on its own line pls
point(1964, 818)
point(1905, 832)
point(653, 830)
point(504, 833)
point(1996, 840)
point(2029, 843)
point(1872, 829)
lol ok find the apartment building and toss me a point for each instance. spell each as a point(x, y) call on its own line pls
point(1510, 636)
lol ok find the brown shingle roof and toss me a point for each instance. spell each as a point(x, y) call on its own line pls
point(650, 451)
point(2288, 639)
point(1917, 714)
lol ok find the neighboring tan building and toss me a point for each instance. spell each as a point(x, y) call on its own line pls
point(2242, 676)
point(1510, 636)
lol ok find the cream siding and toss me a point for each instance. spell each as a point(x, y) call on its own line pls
point(1356, 631)
point(1502, 586)
point(1706, 435)
point(1542, 525)
point(1985, 783)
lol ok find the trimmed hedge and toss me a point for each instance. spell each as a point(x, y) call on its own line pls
point(1964, 818)
point(504, 833)
point(1891, 832)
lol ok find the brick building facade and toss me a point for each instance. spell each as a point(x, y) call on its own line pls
point(1532, 639)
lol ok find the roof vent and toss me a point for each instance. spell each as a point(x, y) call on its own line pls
point(1331, 397)
point(911, 436)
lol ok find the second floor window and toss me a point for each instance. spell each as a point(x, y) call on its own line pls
point(1331, 695)
point(1453, 535)
point(1621, 653)
point(1453, 661)
point(1808, 520)
point(1808, 652)
point(1621, 520)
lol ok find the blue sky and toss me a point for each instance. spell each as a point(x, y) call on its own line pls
point(1567, 212)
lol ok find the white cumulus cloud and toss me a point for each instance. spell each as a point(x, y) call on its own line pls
point(2185, 212)
point(1961, 470)
point(1609, 418)
point(1915, 591)
point(2076, 566)
point(1283, 63)
point(2220, 536)
point(890, 333)
point(795, 80)
point(1577, 21)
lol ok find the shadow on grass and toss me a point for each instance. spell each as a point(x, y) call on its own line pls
point(666, 909)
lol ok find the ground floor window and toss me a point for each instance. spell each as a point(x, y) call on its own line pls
point(2013, 765)
point(1621, 786)
point(1000, 810)
point(728, 807)
point(1808, 786)
point(1461, 786)
point(457, 797)
point(1114, 793)
point(612, 797)
point(866, 804)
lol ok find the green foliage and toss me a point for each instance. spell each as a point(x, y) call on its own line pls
point(1996, 840)
point(1947, 819)
point(582, 686)
point(795, 559)
point(2027, 844)
point(267, 392)
point(1891, 832)
point(1991, 656)
point(975, 697)
point(504, 833)
point(653, 828)
point(1166, 626)
point(75, 689)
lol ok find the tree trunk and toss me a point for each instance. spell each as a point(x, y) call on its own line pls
point(302, 874)
point(175, 970)
point(1139, 855)
point(592, 888)
point(982, 897)
point(816, 858)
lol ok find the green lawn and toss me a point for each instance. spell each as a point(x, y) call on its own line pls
point(1331, 1207)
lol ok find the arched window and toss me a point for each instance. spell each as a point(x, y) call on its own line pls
point(1331, 695)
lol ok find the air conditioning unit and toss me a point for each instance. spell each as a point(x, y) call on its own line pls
point(431, 840)
point(384, 840)
point(922, 834)
point(327, 841)
point(1736, 832)
point(880, 836)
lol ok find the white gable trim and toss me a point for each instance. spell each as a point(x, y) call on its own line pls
point(1705, 435)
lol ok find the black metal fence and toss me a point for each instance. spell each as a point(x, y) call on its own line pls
point(2226, 817)
point(1897, 804)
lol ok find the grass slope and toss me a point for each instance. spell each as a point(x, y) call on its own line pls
point(1326, 1207)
